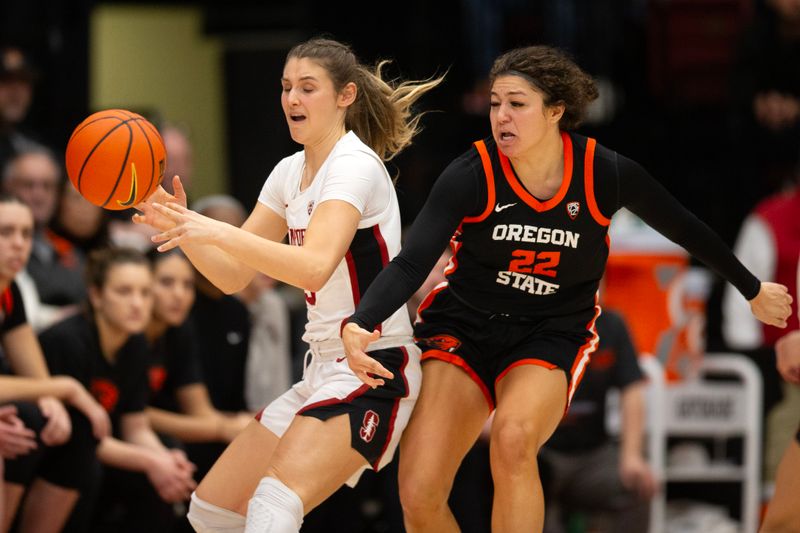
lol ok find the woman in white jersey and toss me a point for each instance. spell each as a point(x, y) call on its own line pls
point(337, 203)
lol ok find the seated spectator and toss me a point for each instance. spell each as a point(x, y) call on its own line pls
point(46, 447)
point(583, 469)
point(17, 77)
point(105, 350)
point(268, 370)
point(55, 267)
point(180, 408)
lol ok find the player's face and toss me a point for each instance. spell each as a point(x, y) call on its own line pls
point(173, 290)
point(519, 117)
point(310, 102)
point(16, 236)
point(125, 301)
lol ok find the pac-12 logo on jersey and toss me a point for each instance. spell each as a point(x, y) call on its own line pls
point(573, 208)
point(310, 206)
point(369, 425)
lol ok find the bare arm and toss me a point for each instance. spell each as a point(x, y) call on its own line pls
point(309, 266)
point(634, 470)
point(24, 353)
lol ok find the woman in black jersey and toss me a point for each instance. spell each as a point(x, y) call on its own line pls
point(104, 349)
point(526, 213)
point(179, 406)
point(46, 448)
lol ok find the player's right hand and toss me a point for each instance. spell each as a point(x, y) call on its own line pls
point(772, 305)
point(170, 477)
point(84, 402)
point(356, 340)
point(15, 438)
point(150, 216)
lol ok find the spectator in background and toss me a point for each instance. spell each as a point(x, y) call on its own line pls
point(180, 160)
point(180, 408)
point(47, 448)
point(766, 89)
point(55, 269)
point(782, 513)
point(583, 468)
point(79, 223)
point(769, 246)
point(17, 76)
point(268, 371)
point(105, 350)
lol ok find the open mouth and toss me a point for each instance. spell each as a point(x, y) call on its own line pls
point(506, 136)
point(297, 118)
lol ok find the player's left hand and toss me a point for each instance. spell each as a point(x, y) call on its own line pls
point(356, 340)
point(189, 227)
point(787, 350)
point(149, 216)
point(772, 305)
point(637, 476)
point(58, 427)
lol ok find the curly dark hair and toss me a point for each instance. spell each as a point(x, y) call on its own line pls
point(554, 74)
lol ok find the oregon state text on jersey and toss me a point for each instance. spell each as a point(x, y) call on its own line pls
point(545, 257)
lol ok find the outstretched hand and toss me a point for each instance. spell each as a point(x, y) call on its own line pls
point(152, 217)
point(772, 305)
point(356, 340)
point(188, 227)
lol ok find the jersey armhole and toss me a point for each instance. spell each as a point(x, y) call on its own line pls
point(489, 173)
point(588, 173)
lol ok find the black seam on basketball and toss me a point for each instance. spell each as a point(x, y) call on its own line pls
point(83, 126)
point(124, 164)
point(152, 158)
point(94, 148)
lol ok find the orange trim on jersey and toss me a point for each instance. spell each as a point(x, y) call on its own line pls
point(527, 197)
point(487, 169)
point(428, 300)
point(538, 362)
point(584, 354)
point(453, 359)
point(455, 246)
point(588, 175)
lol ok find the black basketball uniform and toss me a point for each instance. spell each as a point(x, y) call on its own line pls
point(522, 285)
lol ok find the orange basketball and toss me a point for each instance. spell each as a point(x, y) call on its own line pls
point(115, 158)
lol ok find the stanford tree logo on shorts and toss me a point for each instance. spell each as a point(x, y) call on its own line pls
point(369, 425)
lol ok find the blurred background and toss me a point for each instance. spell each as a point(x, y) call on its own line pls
point(705, 94)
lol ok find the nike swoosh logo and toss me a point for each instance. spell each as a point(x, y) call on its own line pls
point(340, 359)
point(132, 198)
point(499, 207)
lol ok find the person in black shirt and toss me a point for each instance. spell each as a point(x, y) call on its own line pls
point(526, 213)
point(180, 406)
point(46, 448)
point(105, 350)
point(582, 467)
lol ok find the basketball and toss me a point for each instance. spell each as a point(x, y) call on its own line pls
point(115, 158)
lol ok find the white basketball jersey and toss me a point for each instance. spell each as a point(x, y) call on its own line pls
point(355, 174)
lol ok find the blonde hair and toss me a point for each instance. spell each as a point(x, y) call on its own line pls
point(381, 115)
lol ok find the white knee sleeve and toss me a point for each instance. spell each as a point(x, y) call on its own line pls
point(206, 517)
point(274, 508)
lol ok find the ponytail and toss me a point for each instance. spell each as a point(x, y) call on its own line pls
point(381, 115)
